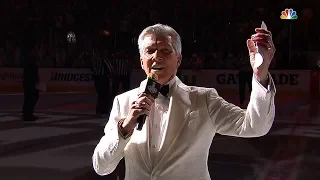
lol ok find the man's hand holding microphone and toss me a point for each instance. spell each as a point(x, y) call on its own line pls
point(140, 108)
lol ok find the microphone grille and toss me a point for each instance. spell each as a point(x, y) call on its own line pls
point(153, 76)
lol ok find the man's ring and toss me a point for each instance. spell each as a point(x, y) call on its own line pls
point(140, 103)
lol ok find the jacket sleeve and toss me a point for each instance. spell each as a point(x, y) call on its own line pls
point(254, 121)
point(110, 149)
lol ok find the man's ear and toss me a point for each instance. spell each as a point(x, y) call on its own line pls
point(179, 60)
point(141, 63)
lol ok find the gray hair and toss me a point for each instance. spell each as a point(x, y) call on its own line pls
point(164, 31)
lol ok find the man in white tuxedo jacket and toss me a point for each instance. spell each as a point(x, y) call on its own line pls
point(180, 125)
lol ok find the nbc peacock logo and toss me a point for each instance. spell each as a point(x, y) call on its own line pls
point(289, 14)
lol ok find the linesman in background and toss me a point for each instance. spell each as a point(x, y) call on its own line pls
point(121, 72)
point(102, 68)
point(30, 81)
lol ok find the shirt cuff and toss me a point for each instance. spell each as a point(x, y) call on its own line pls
point(124, 135)
point(270, 85)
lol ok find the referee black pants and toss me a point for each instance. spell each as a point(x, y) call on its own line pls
point(30, 99)
point(104, 101)
point(124, 80)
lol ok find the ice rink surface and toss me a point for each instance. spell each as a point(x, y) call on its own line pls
point(60, 144)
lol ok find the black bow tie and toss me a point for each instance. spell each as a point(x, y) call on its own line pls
point(164, 90)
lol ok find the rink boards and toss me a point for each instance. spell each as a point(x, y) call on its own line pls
point(296, 82)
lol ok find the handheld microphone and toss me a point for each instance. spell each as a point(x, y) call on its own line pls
point(152, 87)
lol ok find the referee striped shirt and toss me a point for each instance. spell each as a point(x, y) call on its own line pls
point(122, 66)
point(101, 65)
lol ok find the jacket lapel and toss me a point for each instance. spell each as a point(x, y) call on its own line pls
point(179, 110)
point(143, 144)
point(143, 136)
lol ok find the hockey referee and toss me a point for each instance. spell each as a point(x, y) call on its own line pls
point(102, 68)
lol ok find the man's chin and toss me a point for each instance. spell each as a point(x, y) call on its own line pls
point(163, 77)
point(160, 71)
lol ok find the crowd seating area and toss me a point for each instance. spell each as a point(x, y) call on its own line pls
point(213, 32)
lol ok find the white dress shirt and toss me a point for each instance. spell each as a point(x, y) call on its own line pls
point(158, 120)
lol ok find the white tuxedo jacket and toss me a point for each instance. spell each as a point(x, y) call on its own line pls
point(196, 114)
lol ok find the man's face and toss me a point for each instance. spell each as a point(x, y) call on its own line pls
point(159, 57)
